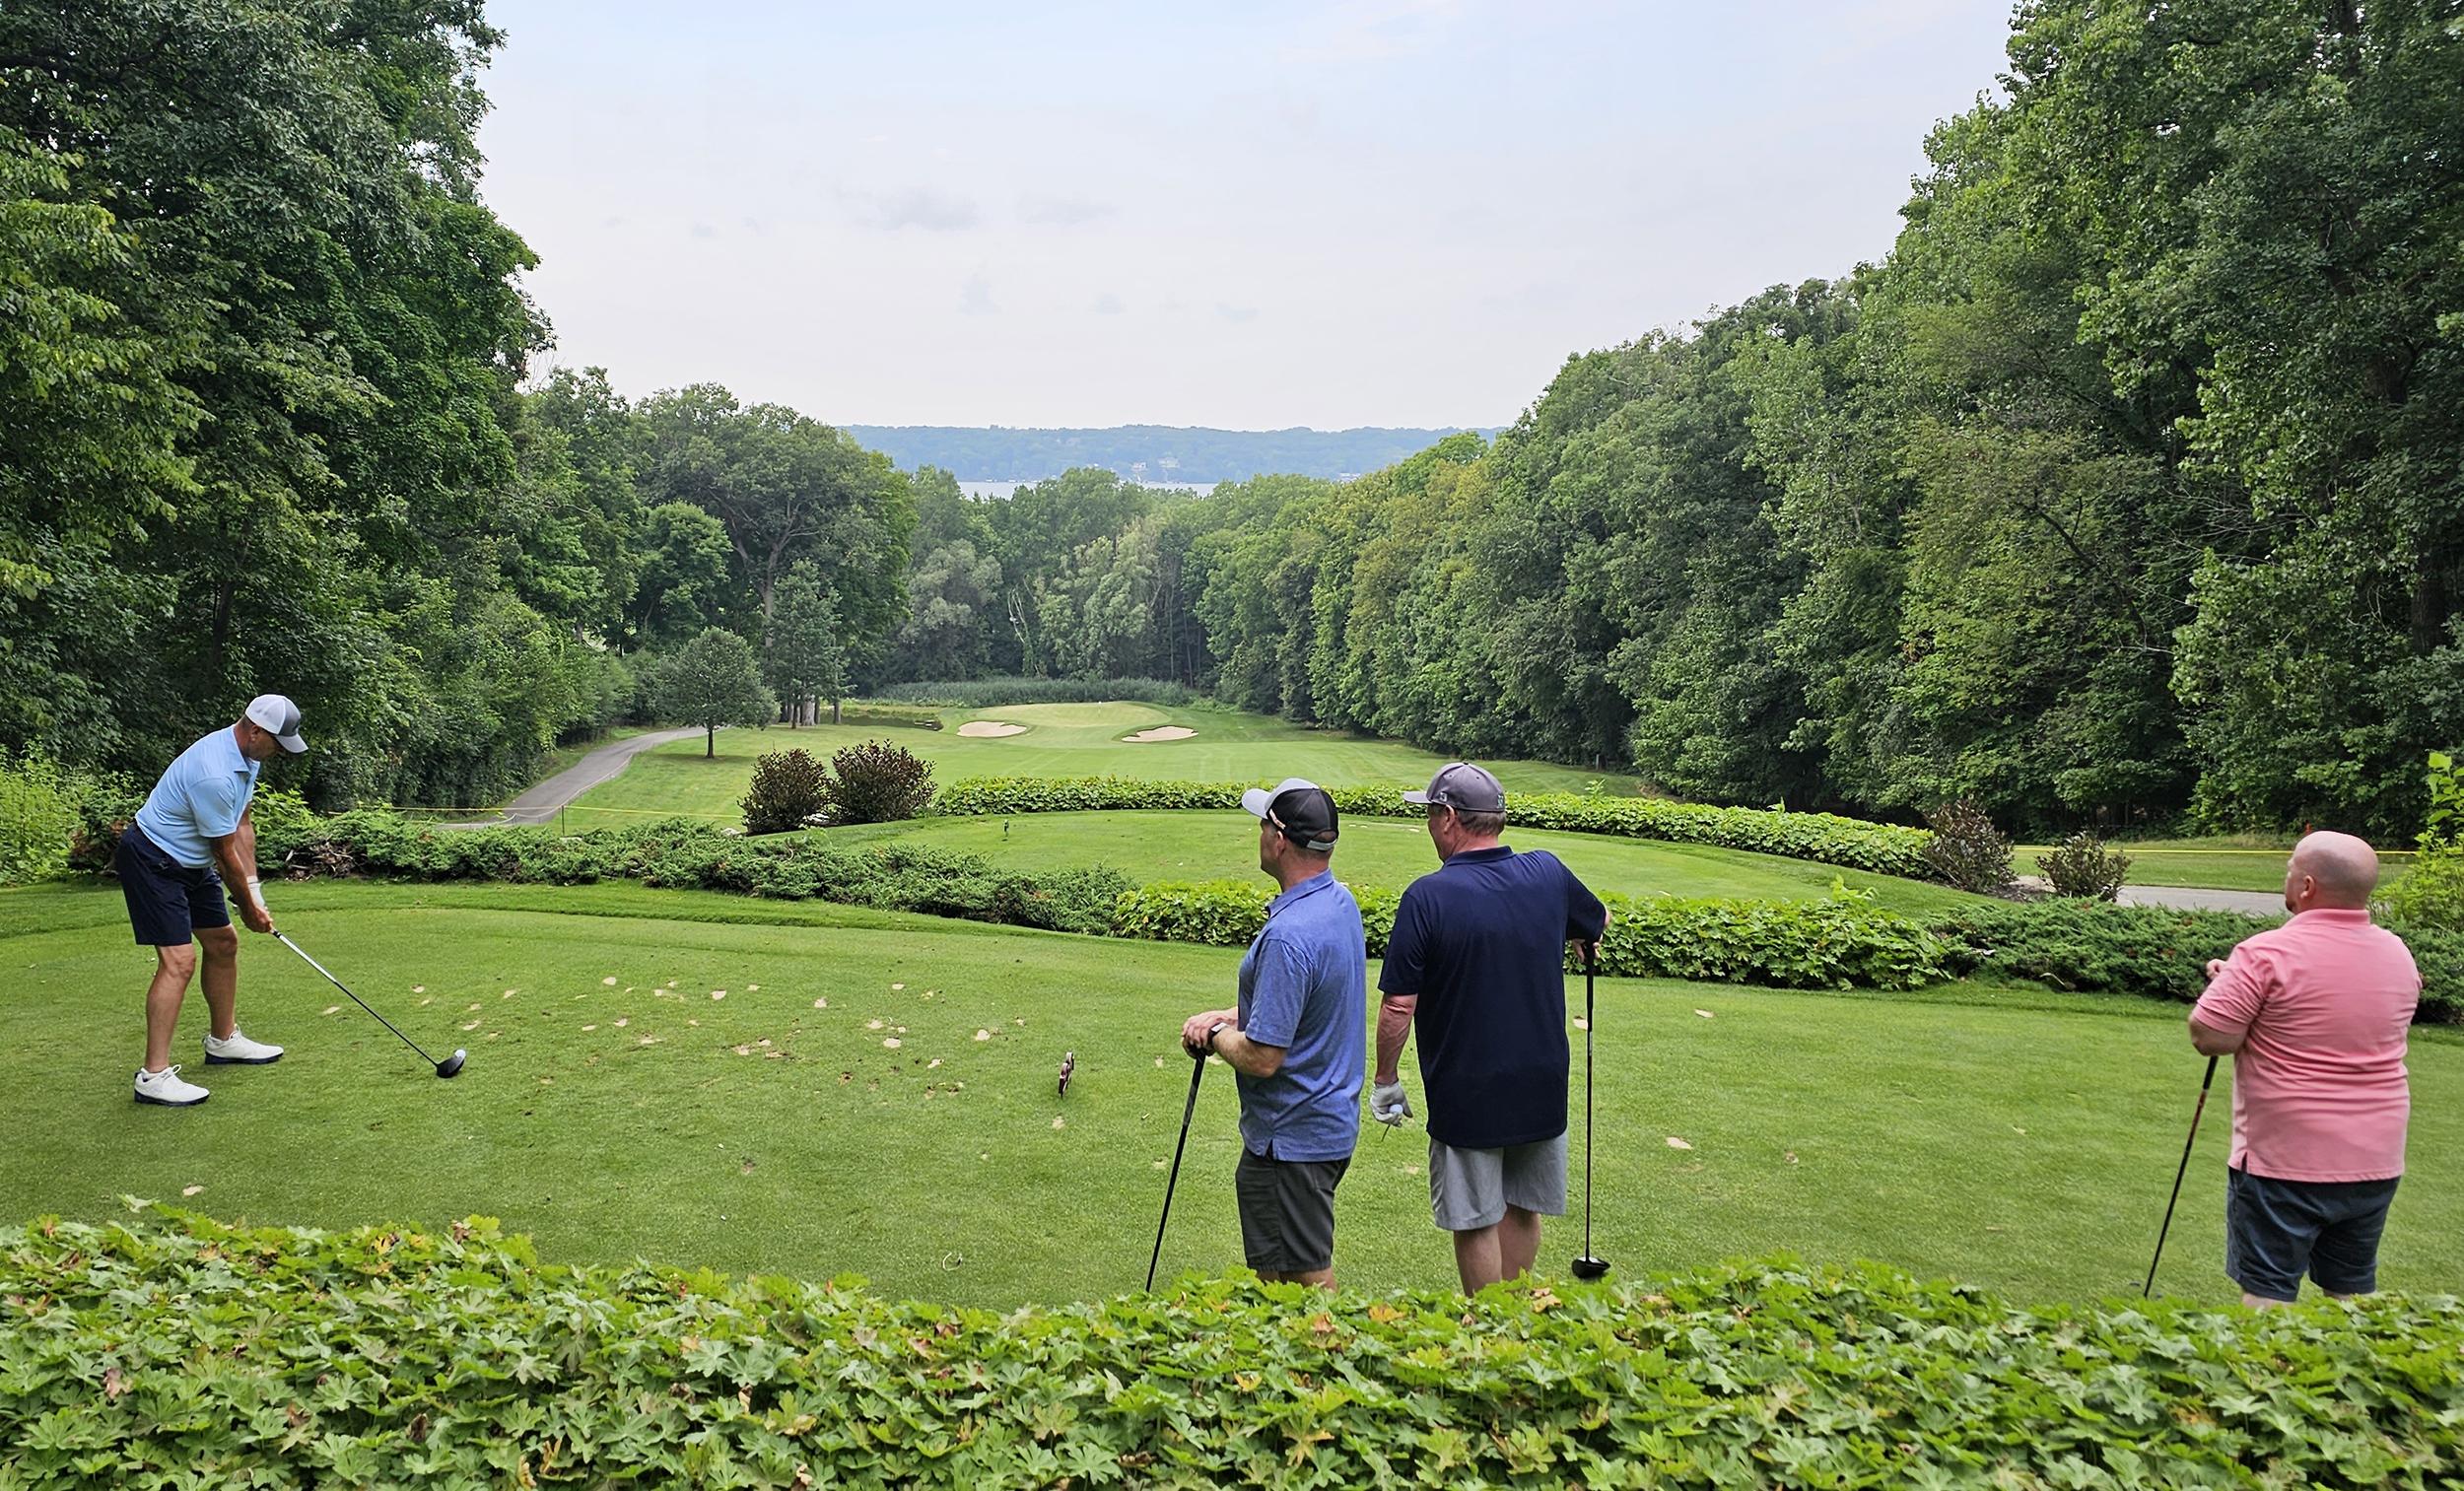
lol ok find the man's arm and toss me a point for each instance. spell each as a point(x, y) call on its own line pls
point(235, 854)
point(1247, 1055)
point(1394, 1012)
point(2210, 1042)
point(2219, 1023)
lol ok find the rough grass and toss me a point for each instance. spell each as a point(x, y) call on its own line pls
point(1061, 740)
point(2007, 1136)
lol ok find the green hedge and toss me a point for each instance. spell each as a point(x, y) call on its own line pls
point(1779, 944)
point(1885, 849)
point(2150, 951)
point(176, 1350)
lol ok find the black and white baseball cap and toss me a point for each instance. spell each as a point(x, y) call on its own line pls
point(1462, 787)
point(1299, 810)
point(279, 717)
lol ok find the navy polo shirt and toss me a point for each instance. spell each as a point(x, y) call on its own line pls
point(1481, 942)
point(1304, 987)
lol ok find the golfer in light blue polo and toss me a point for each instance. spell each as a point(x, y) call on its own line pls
point(1297, 1040)
point(193, 841)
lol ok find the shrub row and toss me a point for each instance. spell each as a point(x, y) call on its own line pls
point(2150, 951)
point(1881, 848)
point(1841, 943)
point(176, 1350)
point(992, 692)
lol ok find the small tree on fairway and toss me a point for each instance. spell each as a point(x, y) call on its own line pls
point(711, 681)
point(801, 656)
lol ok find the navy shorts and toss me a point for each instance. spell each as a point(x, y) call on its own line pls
point(2276, 1231)
point(167, 901)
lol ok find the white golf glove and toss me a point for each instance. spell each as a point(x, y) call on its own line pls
point(1387, 1103)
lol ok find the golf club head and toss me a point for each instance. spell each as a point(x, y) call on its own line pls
point(1588, 1269)
point(452, 1064)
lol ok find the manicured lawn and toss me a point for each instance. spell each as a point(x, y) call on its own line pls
point(1382, 852)
point(1060, 740)
point(2222, 862)
point(2007, 1136)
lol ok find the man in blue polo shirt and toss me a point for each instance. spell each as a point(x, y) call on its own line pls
point(1296, 1041)
point(192, 840)
point(1478, 961)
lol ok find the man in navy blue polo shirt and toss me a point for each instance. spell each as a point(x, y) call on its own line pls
point(1296, 1041)
point(1476, 961)
point(192, 842)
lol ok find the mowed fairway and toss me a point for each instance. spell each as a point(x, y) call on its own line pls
point(1382, 852)
point(2006, 1138)
point(1060, 740)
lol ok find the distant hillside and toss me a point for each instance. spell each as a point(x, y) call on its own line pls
point(1153, 452)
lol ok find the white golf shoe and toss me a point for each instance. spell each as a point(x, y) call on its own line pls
point(238, 1050)
point(166, 1088)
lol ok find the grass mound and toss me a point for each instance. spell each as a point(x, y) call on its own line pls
point(176, 1349)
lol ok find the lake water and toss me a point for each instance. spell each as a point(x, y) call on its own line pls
point(1005, 489)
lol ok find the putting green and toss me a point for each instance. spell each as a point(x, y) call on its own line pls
point(2019, 1139)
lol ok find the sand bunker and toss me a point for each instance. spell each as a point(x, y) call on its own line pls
point(978, 729)
point(1161, 732)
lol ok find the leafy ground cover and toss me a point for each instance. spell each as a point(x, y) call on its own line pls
point(1061, 740)
point(1385, 852)
point(456, 1355)
point(2005, 1135)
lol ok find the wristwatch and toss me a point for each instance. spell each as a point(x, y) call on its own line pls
point(1214, 1031)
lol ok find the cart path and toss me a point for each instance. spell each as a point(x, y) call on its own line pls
point(538, 803)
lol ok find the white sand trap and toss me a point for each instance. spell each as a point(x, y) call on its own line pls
point(1161, 732)
point(977, 729)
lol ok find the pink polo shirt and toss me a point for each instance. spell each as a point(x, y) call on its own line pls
point(2319, 1089)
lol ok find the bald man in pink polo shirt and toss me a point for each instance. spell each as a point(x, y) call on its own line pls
point(2314, 1015)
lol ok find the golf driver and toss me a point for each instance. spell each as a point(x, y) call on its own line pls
point(1197, 1070)
point(445, 1069)
point(2148, 1288)
point(1590, 1266)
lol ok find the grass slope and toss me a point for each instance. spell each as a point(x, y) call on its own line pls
point(2224, 863)
point(1388, 852)
point(2011, 1137)
point(1060, 740)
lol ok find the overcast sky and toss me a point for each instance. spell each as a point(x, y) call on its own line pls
point(1384, 212)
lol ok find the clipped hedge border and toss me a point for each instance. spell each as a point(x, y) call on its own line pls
point(1881, 848)
point(173, 1349)
point(1778, 944)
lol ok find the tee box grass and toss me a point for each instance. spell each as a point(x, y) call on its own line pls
point(807, 1089)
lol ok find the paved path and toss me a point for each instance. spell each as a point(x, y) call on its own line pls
point(539, 802)
point(2193, 897)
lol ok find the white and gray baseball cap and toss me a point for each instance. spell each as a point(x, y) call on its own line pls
point(1299, 810)
point(279, 717)
point(1462, 787)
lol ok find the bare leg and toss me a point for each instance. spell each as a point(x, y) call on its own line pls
point(1479, 1259)
point(222, 979)
point(174, 965)
point(2262, 1301)
point(1323, 1278)
point(1517, 1241)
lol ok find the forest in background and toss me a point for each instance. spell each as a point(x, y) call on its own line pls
point(2129, 486)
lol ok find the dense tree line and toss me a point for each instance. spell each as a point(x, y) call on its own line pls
point(2130, 483)
point(262, 422)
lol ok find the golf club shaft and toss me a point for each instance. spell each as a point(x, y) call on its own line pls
point(2149, 1287)
point(1197, 1070)
point(286, 941)
point(1589, 965)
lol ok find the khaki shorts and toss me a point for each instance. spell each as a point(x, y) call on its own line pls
point(1471, 1189)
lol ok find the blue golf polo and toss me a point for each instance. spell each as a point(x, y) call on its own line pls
point(1304, 987)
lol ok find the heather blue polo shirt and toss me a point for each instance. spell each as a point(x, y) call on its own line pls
point(1481, 941)
point(1304, 987)
point(200, 799)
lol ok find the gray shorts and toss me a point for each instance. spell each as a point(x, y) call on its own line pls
point(1471, 1189)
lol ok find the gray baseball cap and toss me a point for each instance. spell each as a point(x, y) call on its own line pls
point(1299, 810)
point(279, 717)
point(1462, 787)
